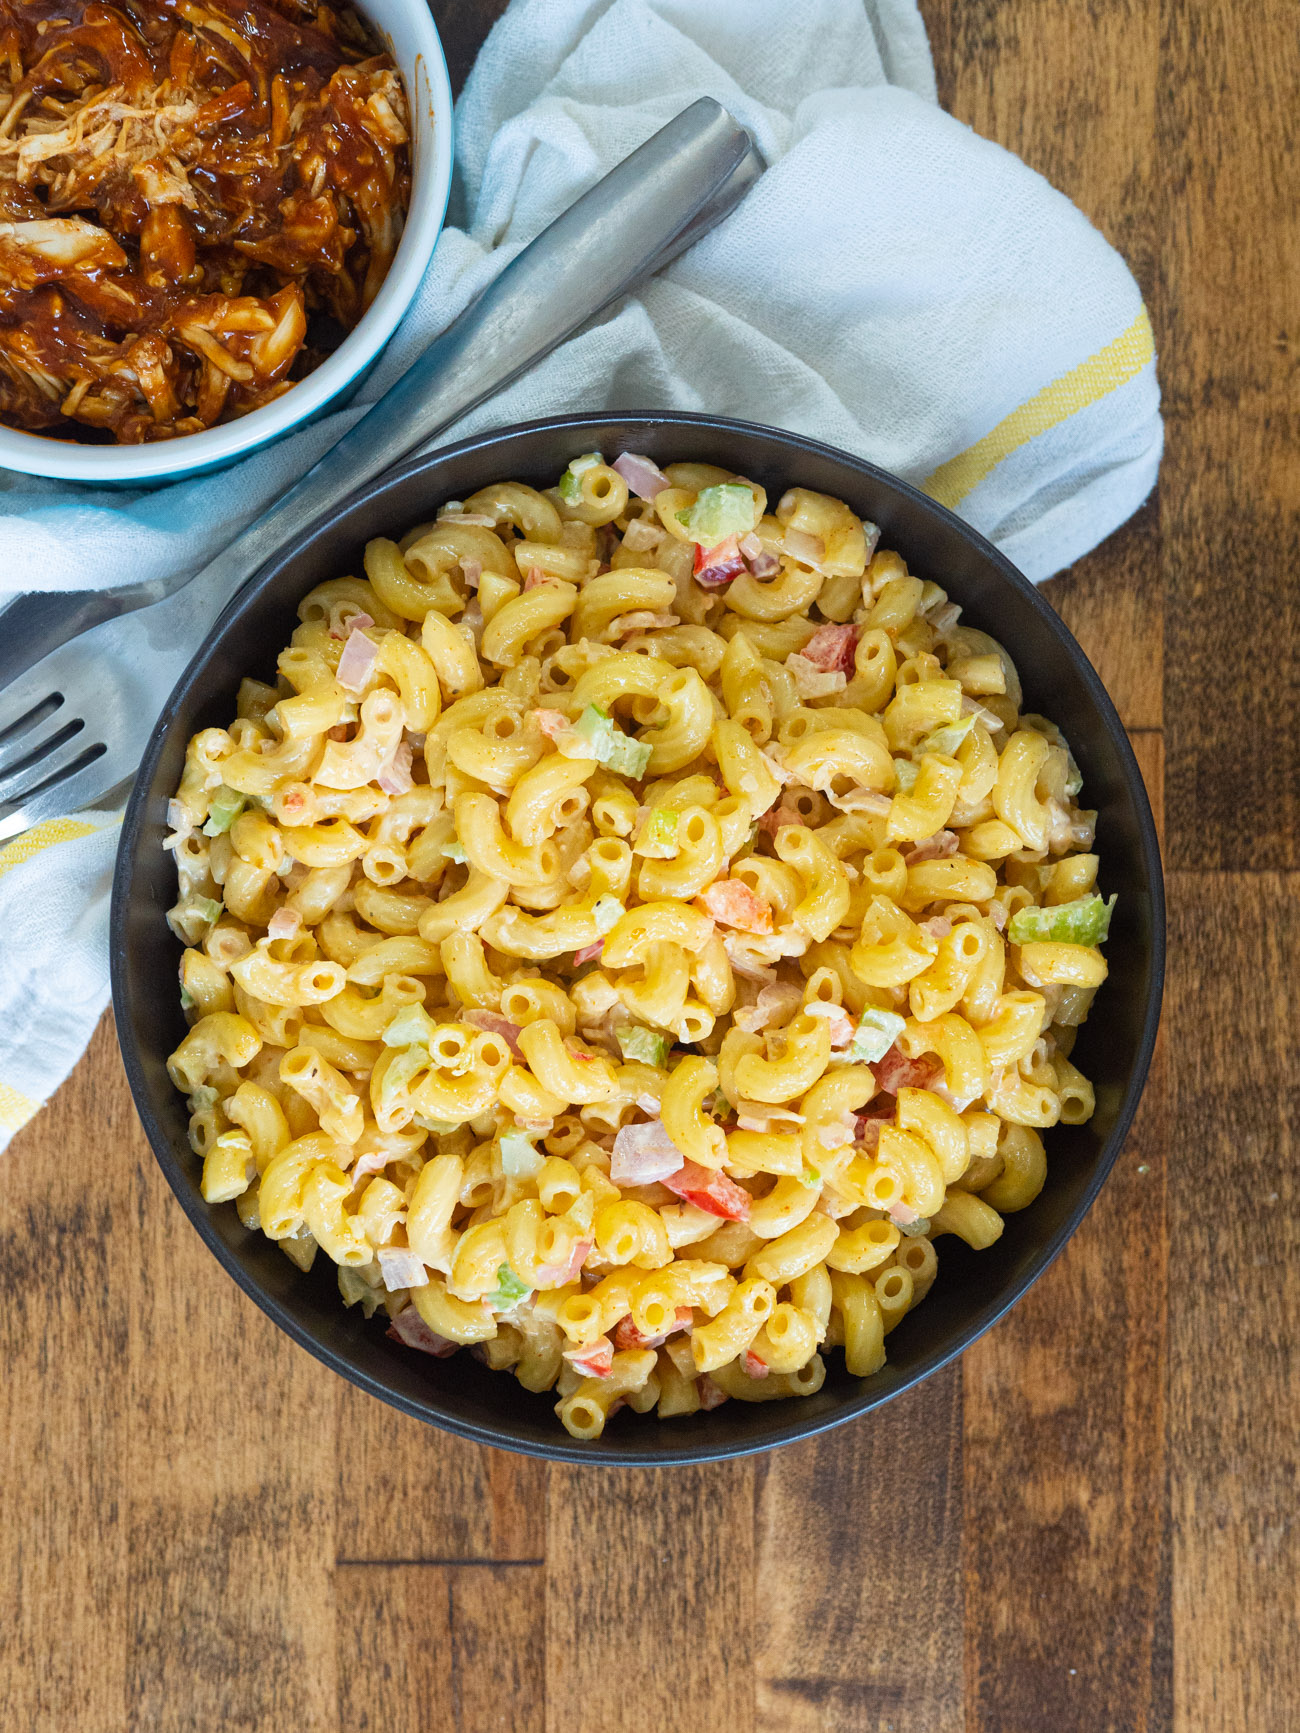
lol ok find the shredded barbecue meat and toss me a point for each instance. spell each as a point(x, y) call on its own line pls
point(198, 200)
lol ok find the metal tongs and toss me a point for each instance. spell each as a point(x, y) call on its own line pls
point(74, 724)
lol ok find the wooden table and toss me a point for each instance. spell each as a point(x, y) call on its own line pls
point(1089, 1523)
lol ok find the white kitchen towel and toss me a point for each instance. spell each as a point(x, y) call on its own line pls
point(895, 285)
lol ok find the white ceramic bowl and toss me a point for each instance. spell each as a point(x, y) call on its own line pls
point(407, 28)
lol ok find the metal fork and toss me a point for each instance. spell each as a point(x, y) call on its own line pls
point(73, 725)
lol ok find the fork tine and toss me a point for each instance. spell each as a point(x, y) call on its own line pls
point(50, 771)
point(26, 750)
point(36, 693)
point(22, 713)
point(78, 782)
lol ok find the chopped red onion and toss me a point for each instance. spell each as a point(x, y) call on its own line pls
point(945, 618)
point(808, 550)
point(472, 571)
point(776, 1000)
point(971, 707)
point(395, 776)
point(750, 546)
point(641, 536)
point(810, 681)
point(645, 479)
point(937, 847)
point(644, 1154)
point(400, 1268)
point(641, 620)
point(373, 1161)
point(357, 660)
point(284, 924)
point(861, 800)
point(588, 952)
point(764, 565)
point(496, 1024)
point(409, 1327)
point(743, 963)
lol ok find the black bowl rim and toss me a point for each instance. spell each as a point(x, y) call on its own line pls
point(777, 1432)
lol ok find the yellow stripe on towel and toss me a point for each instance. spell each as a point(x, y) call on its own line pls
point(42, 836)
point(15, 1109)
point(1085, 384)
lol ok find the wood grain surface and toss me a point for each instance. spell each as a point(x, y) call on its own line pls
point(1088, 1524)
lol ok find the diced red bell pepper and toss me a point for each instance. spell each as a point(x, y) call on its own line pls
point(718, 565)
point(709, 1393)
point(708, 1190)
point(732, 902)
point(595, 1360)
point(559, 1275)
point(626, 1334)
point(832, 648)
point(753, 1366)
point(896, 1071)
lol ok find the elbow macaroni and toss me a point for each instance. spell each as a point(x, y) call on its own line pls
point(627, 976)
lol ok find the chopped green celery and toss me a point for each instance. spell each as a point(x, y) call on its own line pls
point(570, 481)
point(726, 510)
point(607, 912)
point(658, 838)
point(915, 1230)
point(906, 774)
point(454, 850)
point(206, 908)
point(351, 1286)
point(720, 1107)
point(412, 1027)
point(948, 738)
point(646, 1045)
point(224, 808)
point(519, 1160)
point(406, 1065)
point(810, 1175)
point(1074, 777)
point(439, 1127)
point(187, 999)
point(204, 1097)
point(876, 1033)
point(608, 744)
point(1085, 921)
point(509, 1290)
point(629, 757)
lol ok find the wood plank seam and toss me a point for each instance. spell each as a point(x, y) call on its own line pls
point(446, 1564)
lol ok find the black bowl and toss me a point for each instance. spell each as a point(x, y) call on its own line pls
point(1114, 1048)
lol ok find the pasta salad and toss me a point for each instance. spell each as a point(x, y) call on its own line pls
point(638, 922)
